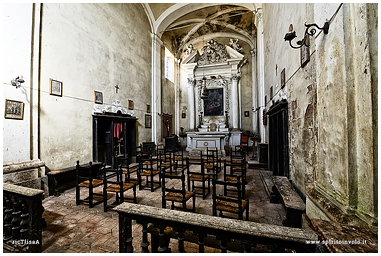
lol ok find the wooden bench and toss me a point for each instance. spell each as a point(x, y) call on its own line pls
point(63, 179)
point(292, 202)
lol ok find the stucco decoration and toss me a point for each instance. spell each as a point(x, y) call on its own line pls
point(233, 43)
point(115, 108)
point(213, 52)
point(189, 49)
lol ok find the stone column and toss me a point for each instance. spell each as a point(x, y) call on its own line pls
point(191, 104)
point(156, 88)
point(261, 83)
point(234, 108)
point(253, 53)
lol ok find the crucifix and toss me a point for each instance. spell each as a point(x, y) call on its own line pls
point(116, 88)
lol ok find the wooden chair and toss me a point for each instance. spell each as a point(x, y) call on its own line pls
point(212, 157)
point(89, 177)
point(148, 169)
point(231, 204)
point(179, 195)
point(179, 158)
point(235, 167)
point(199, 176)
point(113, 183)
point(166, 163)
point(145, 151)
point(243, 144)
point(127, 168)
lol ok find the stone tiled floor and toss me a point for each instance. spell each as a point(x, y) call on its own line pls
point(72, 228)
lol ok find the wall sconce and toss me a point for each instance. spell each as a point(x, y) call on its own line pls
point(310, 31)
point(17, 81)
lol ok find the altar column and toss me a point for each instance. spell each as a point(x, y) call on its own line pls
point(234, 110)
point(191, 102)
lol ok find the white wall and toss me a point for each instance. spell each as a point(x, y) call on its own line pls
point(90, 47)
point(16, 57)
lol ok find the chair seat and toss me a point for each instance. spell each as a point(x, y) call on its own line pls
point(237, 168)
point(148, 173)
point(237, 161)
point(178, 158)
point(198, 177)
point(229, 206)
point(167, 164)
point(232, 179)
point(178, 197)
point(132, 170)
point(86, 183)
point(210, 166)
point(149, 162)
point(116, 187)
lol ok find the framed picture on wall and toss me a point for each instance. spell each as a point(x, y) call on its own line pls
point(98, 97)
point(183, 115)
point(55, 87)
point(14, 109)
point(130, 104)
point(246, 113)
point(148, 108)
point(148, 121)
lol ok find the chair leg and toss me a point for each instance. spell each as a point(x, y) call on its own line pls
point(91, 197)
point(194, 203)
point(247, 212)
point(77, 195)
point(134, 189)
point(104, 200)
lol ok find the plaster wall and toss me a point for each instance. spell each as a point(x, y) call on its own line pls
point(17, 62)
point(167, 94)
point(346, 170)
point(332, 101)
point(90, 47)
point(299, 89)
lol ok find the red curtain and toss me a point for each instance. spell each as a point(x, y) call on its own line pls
point(118, 128)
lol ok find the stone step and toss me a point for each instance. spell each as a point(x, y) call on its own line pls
point(252, 164)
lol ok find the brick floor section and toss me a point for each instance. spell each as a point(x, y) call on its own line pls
point(72, 228)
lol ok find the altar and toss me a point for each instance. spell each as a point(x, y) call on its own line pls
point(213, 98)
point(198, 141)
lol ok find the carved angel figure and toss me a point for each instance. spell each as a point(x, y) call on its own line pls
point(189, 49)
point(233, 43)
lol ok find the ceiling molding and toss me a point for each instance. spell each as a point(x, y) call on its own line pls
point(178, 10)
point(150, 16)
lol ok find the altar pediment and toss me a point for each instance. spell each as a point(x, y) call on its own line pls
point(214, 54)
point(216, 59)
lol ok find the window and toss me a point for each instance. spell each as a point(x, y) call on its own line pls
point(169, 66)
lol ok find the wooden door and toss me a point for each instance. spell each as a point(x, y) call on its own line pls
point(278, 139)
point(167, 125)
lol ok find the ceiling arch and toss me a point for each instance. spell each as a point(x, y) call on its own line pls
point(178, 25)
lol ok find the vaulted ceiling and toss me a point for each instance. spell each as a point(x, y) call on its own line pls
point(179, 25)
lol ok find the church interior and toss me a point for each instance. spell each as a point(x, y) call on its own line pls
point(190, 127)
